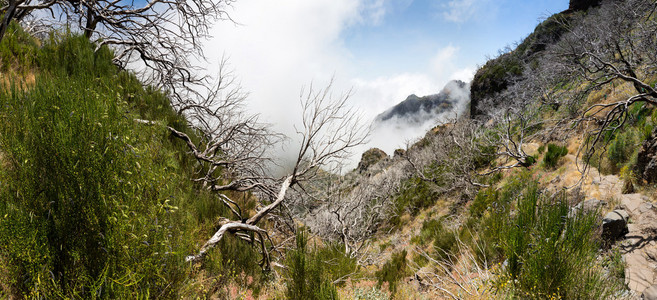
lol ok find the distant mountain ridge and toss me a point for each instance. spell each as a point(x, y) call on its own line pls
point(417, 110)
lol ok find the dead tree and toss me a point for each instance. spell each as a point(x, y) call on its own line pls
point(350, 211)
point(159, 38)
point(233, 155)
point(614, 43)
point(518, 123)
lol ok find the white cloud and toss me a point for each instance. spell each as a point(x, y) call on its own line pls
point(461, 11)
point(444, 57)
point(379, 94)
point(374, 11)
point(444, 66)
point(465, 74)
point(281, 46)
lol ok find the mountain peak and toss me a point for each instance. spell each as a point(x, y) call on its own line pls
point(420, 109)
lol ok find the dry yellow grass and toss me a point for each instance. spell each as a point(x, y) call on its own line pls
point(21, 81)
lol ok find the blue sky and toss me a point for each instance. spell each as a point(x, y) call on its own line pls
point(381, 50)
point(411, 32)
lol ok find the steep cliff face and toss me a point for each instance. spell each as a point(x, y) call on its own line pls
point(493, 78)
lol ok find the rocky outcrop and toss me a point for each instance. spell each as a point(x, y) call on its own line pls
point(494, 77)
point(371, 157)
point(586, 206)
point(399, 153)
point(639, 249)
point(583, 4)
point(650, 293)
point(614, 225)
point(646, 162)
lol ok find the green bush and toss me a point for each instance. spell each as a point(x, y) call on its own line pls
point(93, 204)
point(393, 270)
point(547, 251)
point(444, 240)
point(77, 188)
point(553, 154)
point(415, 194)
point(488, 217)
point(623, 147)
point(619, 149)
point(485, 157)
point(305, 276)
point(336, 264)
point(17, 49)
point(66, 55)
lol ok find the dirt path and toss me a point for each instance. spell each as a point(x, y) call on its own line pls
point(640, 247)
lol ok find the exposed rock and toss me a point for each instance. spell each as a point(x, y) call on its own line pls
point(371, 157)
point(400, 152)
point(638, 273)
point(650, 293)
point(631, 202)
point(639, 247)
point(587, 206)
point(614, 225)
point(583, 4)
point(646, 162)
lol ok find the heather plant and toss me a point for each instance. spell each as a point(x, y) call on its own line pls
point(553, 154)
point(393, 270)
point(444, 240)
point(546, 251)
point(306, 278)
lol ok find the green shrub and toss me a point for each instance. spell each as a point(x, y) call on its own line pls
point(444, 240)
point(393, 270)
point(73, 55)
point(623, 147)
point(553, 154)
point(336, 264)
point(549, 253)
point(17, 49)
point(305, 275)
point(488, 217)
point(619, 149)
point(485, 157)
point(482, 203)
point(613, 261)
point(415, 194)
point(76, 186)
point(93, 204)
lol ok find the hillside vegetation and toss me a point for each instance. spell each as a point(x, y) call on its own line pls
point(94, 204)
point(106, 190)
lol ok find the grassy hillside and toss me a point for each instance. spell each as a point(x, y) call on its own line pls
point(94, 204)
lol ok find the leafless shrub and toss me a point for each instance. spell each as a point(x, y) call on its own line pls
point(232, 157)
point(614, 43)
